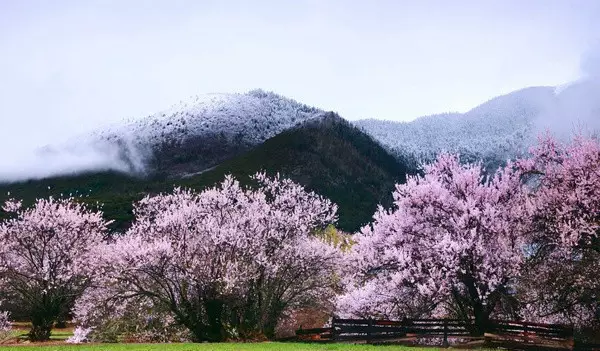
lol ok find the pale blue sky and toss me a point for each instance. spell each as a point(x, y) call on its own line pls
point(68, 66)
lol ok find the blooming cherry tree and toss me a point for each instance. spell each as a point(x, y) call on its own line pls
point(564, 204)
point(565, 200)
point(42, 250)
point(224, 260)
point(454, 238)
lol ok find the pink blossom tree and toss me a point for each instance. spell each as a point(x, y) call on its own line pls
point(453, 240)
point(224, 260)
point(42, 250)
point(564, 205)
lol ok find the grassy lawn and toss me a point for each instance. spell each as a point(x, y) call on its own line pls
point(58, 337)
point(214, 347)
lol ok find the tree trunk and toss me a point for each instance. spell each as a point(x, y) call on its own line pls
point(43, 315)
point(272, 316)
point(61, 322)
point(40, 329)
point(197, 331)
point(214, 311)
point(269, 328)
point(481, 319)
point(481, 314)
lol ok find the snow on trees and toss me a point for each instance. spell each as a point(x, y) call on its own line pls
point(452, 243)
point(224, 262)
point(42, 251)
point(252, 117)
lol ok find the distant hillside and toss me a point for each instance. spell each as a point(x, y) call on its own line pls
point(327, 155)
point(494, 131)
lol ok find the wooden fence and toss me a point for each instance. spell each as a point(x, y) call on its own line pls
point(534, 335)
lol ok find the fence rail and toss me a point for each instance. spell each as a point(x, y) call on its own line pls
point(369, 330)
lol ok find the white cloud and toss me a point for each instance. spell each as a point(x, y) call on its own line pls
point(577, 105)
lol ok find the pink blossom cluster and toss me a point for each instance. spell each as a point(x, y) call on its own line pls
point(188, 253)
point(44, 251)
point(451, 227)
point(564, 250)
point(80, 335)
point(48, 244)
point(565, 201)
point(461, 242)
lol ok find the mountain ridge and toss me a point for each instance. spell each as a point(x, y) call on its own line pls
point(327, 155)
point(494, 131)
point(354, 163)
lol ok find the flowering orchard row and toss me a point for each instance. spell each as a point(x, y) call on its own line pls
point(232, 262)
point(521, 243)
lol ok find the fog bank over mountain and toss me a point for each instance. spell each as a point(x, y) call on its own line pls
point(189, 137)
point(60, 159)
point(503, 127)
point(577, 105)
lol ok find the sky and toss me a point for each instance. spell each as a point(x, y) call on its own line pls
point(67, 67)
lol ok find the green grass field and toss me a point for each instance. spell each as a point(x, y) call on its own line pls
point(270, 346)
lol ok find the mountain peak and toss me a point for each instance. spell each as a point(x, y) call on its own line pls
point(205, 130)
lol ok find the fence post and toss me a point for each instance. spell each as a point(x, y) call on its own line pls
point(445, 342)
point(369, 327)
point(572, 342)
point(525, 332)
point(333, 332)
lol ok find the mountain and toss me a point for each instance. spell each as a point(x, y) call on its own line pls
point(325, 154)
point(203, 132)
point(493, 131)
point(195, 144)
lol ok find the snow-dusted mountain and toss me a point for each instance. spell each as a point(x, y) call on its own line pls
point(194, 136)
point(494, 131)
point(327, 155)
point(198, 134)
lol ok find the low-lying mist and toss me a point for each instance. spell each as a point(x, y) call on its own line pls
point(68, 158)
point(576, 108)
